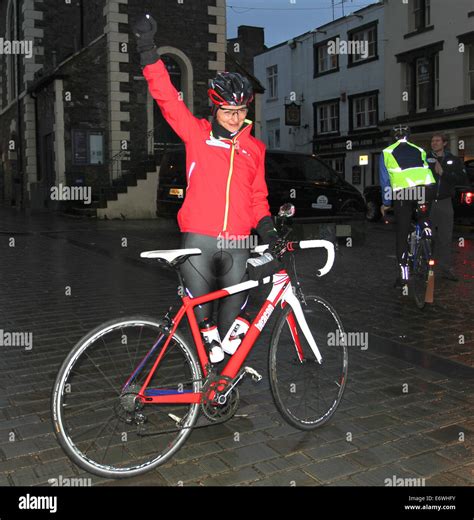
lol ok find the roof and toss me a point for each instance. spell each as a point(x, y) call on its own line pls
point(337, 20)
point(257, 86)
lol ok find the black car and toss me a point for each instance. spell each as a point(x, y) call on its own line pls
point(316, 190)
point(463, 200)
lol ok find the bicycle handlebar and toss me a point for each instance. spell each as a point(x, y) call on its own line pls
point(308, 244)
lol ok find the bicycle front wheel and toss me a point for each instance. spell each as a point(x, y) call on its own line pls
point(97, 418)
point(420, 270)
point(306, 392)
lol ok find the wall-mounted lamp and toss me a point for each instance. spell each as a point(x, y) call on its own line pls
point(292, 43)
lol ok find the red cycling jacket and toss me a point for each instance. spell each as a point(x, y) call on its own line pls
point(226, 190)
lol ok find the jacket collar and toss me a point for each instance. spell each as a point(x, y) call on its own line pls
point(244, 129)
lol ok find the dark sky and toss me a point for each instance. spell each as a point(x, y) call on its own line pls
point(284, 19)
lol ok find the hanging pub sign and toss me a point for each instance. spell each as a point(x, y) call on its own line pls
point(293, 115)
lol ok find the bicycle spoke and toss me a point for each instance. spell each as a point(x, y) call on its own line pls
point(319, 387)
point(89, 421)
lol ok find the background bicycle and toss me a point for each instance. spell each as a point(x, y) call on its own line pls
point(419, 270)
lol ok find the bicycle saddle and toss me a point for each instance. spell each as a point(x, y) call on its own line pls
point(171, 255)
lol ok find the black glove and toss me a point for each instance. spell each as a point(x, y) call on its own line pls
point(268, 233)
point(145, 30)
point(270, 236)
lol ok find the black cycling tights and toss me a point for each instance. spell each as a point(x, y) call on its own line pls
point(215, 268)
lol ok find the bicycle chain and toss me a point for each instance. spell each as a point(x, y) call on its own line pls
point(231, 407)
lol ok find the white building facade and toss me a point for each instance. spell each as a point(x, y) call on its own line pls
point(429, 70)
point(335, 74)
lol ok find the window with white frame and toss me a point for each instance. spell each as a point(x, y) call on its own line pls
point(423, 84)
point(272, 81)
point(273, 134)
point(471, 73)
point(12, 83)
point(337, 164)
point(421, 15)
point(364, 111)
point(328, 117)
point(368, 44)
point(325, 62)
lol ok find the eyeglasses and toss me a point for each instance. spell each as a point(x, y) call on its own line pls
point(228, 114)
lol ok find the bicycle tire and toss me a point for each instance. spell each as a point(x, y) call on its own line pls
point(419, 271)
point(88, 364)
point(322, 319)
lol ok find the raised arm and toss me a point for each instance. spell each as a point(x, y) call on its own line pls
point(174, 110)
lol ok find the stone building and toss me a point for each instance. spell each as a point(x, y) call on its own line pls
point(77, 112)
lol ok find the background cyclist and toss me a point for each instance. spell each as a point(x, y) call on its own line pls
point(406, 180)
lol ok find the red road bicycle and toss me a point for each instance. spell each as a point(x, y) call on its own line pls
point(131, 391)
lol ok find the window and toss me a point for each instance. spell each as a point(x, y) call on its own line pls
point(316, 171)
point(296, 167)
point(12, 83)
point(323, 61)
point(273, 133)
point(471, 73)
point(422, 84)
point(365, 44)
point(87, 147)
point(364, 112)
point(421, 14)
point(327, 116)
point(272, 81)
point(337, 164)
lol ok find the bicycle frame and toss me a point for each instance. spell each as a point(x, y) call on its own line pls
point(281, 292)
point(420, 231)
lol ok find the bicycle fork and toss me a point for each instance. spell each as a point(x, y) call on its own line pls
point(291, 299)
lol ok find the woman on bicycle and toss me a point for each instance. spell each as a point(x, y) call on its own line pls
point(226, 193)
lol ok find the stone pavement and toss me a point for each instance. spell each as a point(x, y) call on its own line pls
point(407, 411)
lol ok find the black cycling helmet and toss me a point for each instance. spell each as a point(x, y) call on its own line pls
point(401, 132)
point(230, 88)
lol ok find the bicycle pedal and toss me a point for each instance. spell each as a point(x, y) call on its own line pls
point(253, 373)
point(175, 418)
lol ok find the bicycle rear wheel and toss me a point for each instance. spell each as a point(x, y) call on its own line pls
point(306, 392)
point(98, 420)
point(420, 270)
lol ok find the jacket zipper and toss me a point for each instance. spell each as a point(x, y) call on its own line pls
point(229, 178)
point(227, 191)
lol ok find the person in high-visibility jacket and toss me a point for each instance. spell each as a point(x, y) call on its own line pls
point(406, 180)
